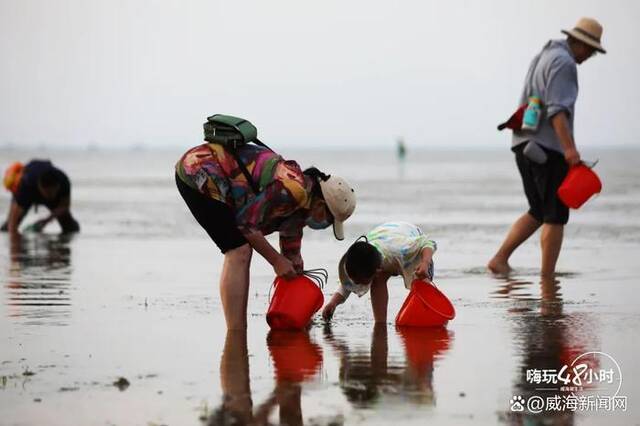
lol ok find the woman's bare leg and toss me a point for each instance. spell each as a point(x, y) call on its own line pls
point(234, 286)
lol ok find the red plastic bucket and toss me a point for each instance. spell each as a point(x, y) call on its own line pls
point(294, 302)
point(578, 186)
point(295, 357)
point(425, 306)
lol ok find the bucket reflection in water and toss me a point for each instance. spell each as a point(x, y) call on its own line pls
point(379, 374)
point(295, 357)
point(423, 347)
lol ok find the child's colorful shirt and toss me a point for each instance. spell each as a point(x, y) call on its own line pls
point(400, 244)
point(284, 192)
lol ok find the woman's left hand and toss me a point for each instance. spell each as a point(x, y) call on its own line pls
point(283, 267)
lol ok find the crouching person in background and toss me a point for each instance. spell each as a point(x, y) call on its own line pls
point(38, 182)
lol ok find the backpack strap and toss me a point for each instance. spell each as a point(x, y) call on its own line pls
point(244, 170)
point(262, 144)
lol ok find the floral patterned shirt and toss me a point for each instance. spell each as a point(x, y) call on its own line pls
point(282, 203)
point(400, 244)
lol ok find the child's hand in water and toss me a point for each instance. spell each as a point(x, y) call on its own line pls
point(327, 312)
point(330, 307)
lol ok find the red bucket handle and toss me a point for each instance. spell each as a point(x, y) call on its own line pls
point(319, 276)
point(590, 164)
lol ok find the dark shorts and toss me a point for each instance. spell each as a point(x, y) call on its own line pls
point(541, 182)
point(216, 217)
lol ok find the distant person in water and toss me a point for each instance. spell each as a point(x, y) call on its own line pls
point(38, 182)
point(544, 156)
point(390, 249)
point(221, 199)
point(401, 149)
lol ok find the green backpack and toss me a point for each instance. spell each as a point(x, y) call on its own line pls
point(232, 133)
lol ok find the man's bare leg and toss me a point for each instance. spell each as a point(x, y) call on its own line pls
point(550, 243)
point(520, 231)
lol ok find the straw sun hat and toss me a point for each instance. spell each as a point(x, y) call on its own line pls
point(588, 31)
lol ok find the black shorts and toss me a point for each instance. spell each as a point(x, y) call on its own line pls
point(216, 217)
point(541, 182)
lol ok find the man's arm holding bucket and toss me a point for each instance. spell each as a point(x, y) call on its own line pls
point(560, 99)
point(561, 127)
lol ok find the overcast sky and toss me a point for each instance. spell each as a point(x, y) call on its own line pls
point(307, 73)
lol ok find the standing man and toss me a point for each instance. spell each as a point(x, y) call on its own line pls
point(553, 77)
point(39, 182)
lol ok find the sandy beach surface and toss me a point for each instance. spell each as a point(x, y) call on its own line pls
point(122, 324)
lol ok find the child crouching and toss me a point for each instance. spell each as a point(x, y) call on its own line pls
point(390, 249)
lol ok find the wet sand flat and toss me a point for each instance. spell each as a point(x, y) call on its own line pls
point(135, 296)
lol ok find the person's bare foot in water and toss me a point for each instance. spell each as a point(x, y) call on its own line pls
point(499, 266)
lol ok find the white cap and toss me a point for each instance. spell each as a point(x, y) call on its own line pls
point(341, 201)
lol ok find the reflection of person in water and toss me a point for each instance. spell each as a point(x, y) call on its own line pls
point(548, 344)
point(39, 182)
point(31, 260)
point(366, 378)
point(237, 406)
point(363, 375)
point(295, 359)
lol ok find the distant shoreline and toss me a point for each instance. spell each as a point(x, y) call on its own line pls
point(290, 148)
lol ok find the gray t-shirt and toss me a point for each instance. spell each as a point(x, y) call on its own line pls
point(555, 81)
